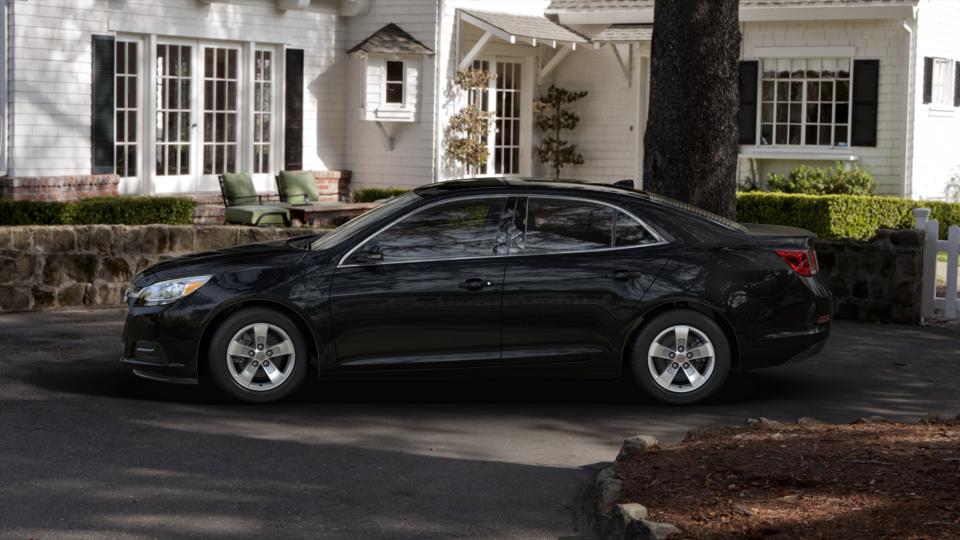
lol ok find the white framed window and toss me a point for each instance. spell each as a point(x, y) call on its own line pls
point(394, 82)
point(263, 87)
point(503, 99)
point(127, 96)
point(943, 81)
point(805, 102)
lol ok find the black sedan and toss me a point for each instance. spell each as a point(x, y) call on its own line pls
point(485, 277)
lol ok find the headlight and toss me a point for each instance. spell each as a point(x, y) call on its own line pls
point(166, 292)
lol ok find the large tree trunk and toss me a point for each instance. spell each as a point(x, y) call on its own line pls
point(690, 146)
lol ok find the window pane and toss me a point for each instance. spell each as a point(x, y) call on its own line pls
point(766, 134)
point(767, 113)
point(796, 110)
point(825, 136)
point(826, 112)
point(768, 91)
point(394, 93)
point(394, 71)
point(794, 134)
point(471, 228)
point(558, 225)
point(826, 91)
point(812, 114)
point(811, 135)
point(841, 136)
point(629, 232)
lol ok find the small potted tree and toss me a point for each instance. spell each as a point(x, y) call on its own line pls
point(466, 134)
point(552, 118)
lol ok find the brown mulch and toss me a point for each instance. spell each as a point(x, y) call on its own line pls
point(857, 481)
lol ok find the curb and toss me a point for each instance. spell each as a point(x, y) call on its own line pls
point(626, 521)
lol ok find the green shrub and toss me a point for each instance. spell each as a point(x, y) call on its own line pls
point(836, 180)
point(840, 216)
point(100, 210)
point(372, 194)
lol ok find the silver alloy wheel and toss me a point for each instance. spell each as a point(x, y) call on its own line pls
point(681, 359)
point(260, 357)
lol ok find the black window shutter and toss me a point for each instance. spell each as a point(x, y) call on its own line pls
point(866, 80)
point(102, 134)
point(293, 116)
point(749, 71)
point(927, 79)
point(956, 84)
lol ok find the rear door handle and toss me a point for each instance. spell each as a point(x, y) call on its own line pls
point(475, 284)
point(621, 275)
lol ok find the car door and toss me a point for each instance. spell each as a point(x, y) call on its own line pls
point(426, 290)
point(574, 282)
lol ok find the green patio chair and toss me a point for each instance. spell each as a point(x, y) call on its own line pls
point(245, 207)
point(297, 187)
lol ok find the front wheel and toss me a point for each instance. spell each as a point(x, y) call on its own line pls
point(258, 355)
point(681, 357)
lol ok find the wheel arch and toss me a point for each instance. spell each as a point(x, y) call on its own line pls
point(280, 307)
point(682, 303)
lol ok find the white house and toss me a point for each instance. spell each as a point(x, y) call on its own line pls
point(167, 94)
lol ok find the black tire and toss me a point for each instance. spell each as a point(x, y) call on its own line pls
point(698, 321)
point(217, 359)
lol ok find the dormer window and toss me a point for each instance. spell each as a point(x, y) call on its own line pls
point(392, 69)
point(394, 90)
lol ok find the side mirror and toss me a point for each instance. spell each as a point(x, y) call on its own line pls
point(371, 254)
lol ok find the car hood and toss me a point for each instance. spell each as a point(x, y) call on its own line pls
point(242, 257)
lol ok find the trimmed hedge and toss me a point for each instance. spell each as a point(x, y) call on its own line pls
point(100, 210)
point(840, 216)
point(373, 194)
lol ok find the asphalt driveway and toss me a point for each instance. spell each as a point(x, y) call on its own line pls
point(88, 451)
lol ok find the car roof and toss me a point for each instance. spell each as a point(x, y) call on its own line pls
point(454, 186)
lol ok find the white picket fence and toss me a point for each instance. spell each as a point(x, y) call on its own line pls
point(931, 303)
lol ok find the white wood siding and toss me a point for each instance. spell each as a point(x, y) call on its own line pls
point(936, 133)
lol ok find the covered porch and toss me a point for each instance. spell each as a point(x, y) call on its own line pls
point(529, 53)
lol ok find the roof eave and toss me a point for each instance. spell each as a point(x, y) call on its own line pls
point(748, 14)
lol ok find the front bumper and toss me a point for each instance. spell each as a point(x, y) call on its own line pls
point(162, 342)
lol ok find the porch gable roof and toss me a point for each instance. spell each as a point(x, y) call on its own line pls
point(510, 27)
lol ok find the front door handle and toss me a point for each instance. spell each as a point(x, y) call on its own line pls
point(622, 275)
point(475, 284)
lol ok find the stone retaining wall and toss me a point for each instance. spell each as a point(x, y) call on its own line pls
point(876, 280)
point(66, 266)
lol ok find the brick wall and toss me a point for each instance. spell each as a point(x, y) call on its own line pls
point(58, 188)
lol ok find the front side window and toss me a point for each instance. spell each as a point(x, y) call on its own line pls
point(943, 80)
point(394, 82)
point(457, 229)
point(560, 226)
point(805, 101)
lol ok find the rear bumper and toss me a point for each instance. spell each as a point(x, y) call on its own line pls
point(800, 330)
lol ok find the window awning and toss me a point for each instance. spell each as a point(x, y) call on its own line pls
point(513, 28)
point(391, 39)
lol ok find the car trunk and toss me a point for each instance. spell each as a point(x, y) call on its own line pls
point(780, 236)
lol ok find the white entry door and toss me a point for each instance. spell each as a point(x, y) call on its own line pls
point(220, 129)
point(214, 109)
point(175, 169)
point(508, 98)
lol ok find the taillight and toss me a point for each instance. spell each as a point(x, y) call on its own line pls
point(802, 261)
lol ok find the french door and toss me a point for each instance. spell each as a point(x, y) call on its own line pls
point(214, 111)
point(507, 97)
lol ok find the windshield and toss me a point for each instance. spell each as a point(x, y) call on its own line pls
point(347, 230)
point(719, 220)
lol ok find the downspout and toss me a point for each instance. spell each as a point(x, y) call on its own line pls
point(909, 128)
point(437, 94)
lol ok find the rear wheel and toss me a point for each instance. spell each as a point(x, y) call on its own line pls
point(258, 355)
point(681, 357)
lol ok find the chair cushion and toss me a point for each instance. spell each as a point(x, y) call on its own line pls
point(248, 214)
point(298, 187)
point(238, 189)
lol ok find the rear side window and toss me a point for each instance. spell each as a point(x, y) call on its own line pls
point(565, 225)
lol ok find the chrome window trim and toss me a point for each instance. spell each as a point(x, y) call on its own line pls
point(660, 240)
